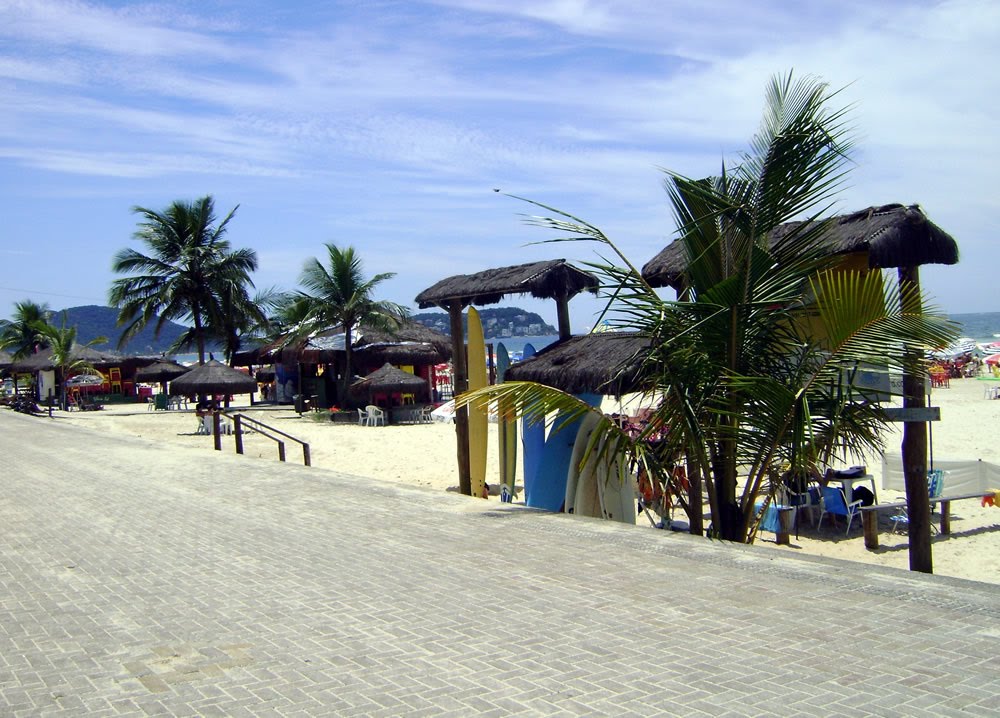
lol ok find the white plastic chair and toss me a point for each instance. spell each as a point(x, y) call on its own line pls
point(375, 415)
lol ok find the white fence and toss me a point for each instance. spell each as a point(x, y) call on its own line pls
point(960, 477)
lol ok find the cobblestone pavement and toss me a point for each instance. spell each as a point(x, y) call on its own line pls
point(241, 588)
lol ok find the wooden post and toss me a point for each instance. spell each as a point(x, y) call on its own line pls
point(914, 447)
point(786, 517)
point(238, 428)
point(306, 458)
point(216, 434)
point(461, 384)
point(869, 520)
point(945, 518)
point(696, 497)
point(562, 314)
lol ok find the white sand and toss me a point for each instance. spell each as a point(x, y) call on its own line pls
point(424, 455)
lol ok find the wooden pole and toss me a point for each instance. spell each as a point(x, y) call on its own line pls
point(461, 384)
point(562, 313)
point(914, 447)
point(238, 428)
point(217, 436)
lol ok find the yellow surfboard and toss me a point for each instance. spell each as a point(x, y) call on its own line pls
point(478, 417)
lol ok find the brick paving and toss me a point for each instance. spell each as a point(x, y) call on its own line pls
point(239, 587)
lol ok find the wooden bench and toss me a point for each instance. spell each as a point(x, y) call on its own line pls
point(869, 515)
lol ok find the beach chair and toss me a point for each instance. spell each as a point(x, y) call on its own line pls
point(375, 415)
point(833, 502)
point(160, 402)
point(115, 378)
point(809, 500)
point(935, 485)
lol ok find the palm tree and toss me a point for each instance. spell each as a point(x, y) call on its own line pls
point(190, 274)
point(750, 370)
point(65, 352)
point(19, 334)
point(339, 295)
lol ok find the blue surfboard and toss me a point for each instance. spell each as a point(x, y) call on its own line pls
point(532, 441)
point(549, 489)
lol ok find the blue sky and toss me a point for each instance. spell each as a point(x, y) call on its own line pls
point(386, 125)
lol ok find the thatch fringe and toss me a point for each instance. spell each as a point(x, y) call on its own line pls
point(894, 235)
point(542, 280)
point(606, 363)
point(42, 360)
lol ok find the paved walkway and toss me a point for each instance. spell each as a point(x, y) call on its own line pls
point(243, 587)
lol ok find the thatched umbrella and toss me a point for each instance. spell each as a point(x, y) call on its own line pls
point(555, 279)
point(893, 235)
point(161, 371)
point(390, 379)
point(214, 377)
point(266, 373)
point(606, 363)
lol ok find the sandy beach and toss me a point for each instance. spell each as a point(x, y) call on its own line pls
point(424, 455)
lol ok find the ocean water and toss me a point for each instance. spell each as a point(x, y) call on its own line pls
point(983, 327)
point(515, 345)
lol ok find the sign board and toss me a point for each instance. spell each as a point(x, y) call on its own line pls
point(913, 413)
point(880, 385)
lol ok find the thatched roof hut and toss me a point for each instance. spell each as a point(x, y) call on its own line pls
point(42, 360)
point(605, 363)
point(5, 361)
point(213, 377)
point(413, 343)
point(893, 235)
point(551, 279)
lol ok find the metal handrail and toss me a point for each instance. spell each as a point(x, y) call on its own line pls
point(259, 427)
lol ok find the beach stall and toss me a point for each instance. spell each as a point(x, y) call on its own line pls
point(554, 279)
point(399, 392)
point(414, 348)
point(892, 236)
point(47, 375)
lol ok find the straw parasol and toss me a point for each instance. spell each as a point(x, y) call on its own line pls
point(893, 235)
point(161, 371)
point(390, 379)
point(214, 377)
point(605, 363)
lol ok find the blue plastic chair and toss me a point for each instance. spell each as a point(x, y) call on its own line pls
point(833, 502)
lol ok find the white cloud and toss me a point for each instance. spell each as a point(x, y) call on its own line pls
point(392, 123)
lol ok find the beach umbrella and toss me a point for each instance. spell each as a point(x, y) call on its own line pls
point(390, 379)
point(161, 371)
point(993, 359)
point(214, 377)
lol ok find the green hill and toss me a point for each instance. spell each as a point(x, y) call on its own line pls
point(93, 321)
point(498, 322)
